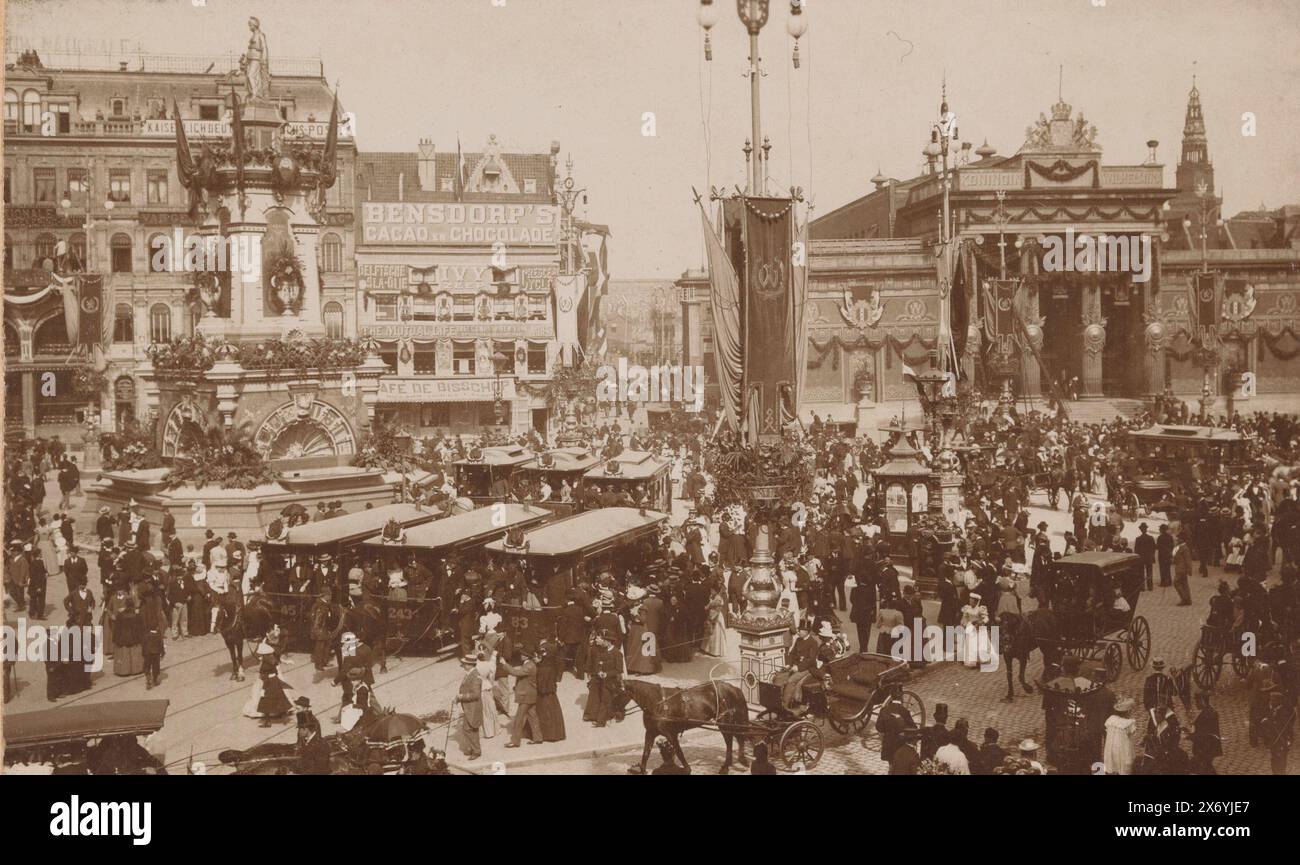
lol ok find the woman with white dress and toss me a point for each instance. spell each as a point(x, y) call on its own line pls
point(974, 620)
point(486, 667)
point(1121, 739)
point(789, 599)
point(60, 542)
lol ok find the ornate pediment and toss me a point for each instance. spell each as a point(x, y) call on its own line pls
point(1063, 133)
point(490, 173)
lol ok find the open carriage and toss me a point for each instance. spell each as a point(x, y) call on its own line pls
point(856, 689)
point(89, 739)
point(1075, 724)
point(1217, 643)
point(1095, 600)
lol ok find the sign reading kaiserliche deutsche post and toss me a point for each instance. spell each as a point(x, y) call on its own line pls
point(221, 129)
point(486, 224)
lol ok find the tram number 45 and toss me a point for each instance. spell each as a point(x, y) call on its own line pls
point(1247, 387)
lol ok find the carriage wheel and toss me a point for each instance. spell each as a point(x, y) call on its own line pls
point(1242, 664)
point(767, 716)
point(843, 726)
point(915, 706)
point(1114, 659)
point(802, 743)
point(1139, 643)
point(1206, 666)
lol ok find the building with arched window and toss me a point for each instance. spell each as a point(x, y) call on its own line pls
point(111, 139)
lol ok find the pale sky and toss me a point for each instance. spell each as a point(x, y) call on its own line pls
point(585, 72)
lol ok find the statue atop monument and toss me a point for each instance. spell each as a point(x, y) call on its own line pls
point(256, 63)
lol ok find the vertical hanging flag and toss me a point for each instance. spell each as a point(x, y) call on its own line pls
point(91, 309)
point(1207, 309)
point(724, 304)
point(770, 317)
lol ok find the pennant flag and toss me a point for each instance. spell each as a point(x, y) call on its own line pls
point(71, 309)
point(459, 181)
point(329, 161)
point(237, 133)
point(724, 300)
point(908, 372)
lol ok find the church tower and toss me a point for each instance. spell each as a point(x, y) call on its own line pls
point(1195, 167)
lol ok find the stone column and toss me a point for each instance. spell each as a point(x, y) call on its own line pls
point(1031, 385)
point(29, 403)
point(1093, 339)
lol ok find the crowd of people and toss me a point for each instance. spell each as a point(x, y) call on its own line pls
point(672, 597)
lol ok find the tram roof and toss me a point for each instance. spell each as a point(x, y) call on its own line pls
point(480, 522)
point(633, 465)
point(1182, 432)
point(1103, 561)
point(355, 526)
point(585, 530)
point(500, 455)
point(566, 460)
point(84, 721)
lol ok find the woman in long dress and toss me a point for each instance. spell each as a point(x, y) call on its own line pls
point(680, 648)
point(641, 652)
point(273, 703)
point(549, 714)
point(974, 619)
point(486, 667)
point(60, 540)
point(255, 693)
point(113, 607)
point(128, 654)
point(715, 637)
point(1121, 739)
point(45, 532)
point(789, 591)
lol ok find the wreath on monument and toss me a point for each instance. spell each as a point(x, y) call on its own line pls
point(288, 286)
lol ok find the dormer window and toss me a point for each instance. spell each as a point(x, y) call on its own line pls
point(491, 170)
point(530, 186)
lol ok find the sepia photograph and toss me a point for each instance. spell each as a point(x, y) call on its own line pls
point(570, 388)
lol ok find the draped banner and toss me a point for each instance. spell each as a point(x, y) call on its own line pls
point(770, 317)
point(724, 304)
point(1206, 306)
point(1000, 316)
point(801, 317)
point(71, 309)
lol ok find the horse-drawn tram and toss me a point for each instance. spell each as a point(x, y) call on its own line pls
point(300, 563)
point(644, 477)
point(606, 539)
point(556, 468)
point(1167, 453)
point(1094, 601)
point(423, 561)
point(87, 739)
point(486, 473)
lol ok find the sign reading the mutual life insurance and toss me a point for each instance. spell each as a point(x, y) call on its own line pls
point(471, 224)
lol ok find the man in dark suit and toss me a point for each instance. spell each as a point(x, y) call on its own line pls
point(142, 534)
point(104, 525)
point(75, 568)
point(1145, 547)
point(233, 543)
point(525, 699)
point(175, 551)
point(991, 754)
point(1165, 555)
point(862, 612)
point(168, 527)
point(571, 629)
point(606, 680)
point(37, 581)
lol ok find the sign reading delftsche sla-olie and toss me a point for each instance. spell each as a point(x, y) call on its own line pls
point(460, 223)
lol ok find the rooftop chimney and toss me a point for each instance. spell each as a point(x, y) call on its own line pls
point(428, 174)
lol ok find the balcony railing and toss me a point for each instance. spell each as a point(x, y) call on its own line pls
point(181, 64)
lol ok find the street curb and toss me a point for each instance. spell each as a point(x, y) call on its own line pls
point(480, 768)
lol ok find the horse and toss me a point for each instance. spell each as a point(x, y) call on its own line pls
point(1020, 635)
point(671, 711)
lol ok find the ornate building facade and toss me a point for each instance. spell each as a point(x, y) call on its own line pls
point(472, 279)
point(1095, 268)
point(90, 161)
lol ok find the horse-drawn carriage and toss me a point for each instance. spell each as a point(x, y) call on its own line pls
point(1215, 644)
point(392, 743)
point(856, 688)
point(1168, 452)
point(1094, 600)
point(89, 739)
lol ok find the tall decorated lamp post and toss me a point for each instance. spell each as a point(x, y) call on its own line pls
point(759, 465)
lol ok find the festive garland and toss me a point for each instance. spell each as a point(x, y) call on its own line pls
point(88, 382)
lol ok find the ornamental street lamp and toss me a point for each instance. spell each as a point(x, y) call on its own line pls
point(499, 361)
point(1210, 353)
point(753, 14)
point(568, 198)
